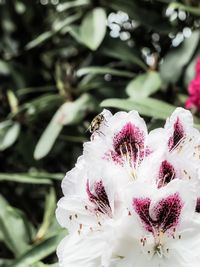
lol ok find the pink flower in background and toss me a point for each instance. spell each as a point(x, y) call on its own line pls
point(193, 100)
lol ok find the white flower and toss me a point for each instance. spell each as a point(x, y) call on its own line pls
point(183, 139)
point(133, 198)
point(82, 251)
point(161, 230)
point(91, 198)
point(123, 142)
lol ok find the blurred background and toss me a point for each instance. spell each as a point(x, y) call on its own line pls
point(61, 63)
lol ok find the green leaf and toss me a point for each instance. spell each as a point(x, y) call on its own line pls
point(77, 3)
point(145, 106)
point(13, 101)
point(176, 59)
point(48, 137)
point(120, 50)
point(50, 205)
point(36, 90)
point(197, 126)
point(38, 252)
point(9, 132)
point(41, 264)
point(144, 84)
point(190, 9)
point(57, 27)
point(93, 28)
point(5, 262)
point(4, 68)
point(104, 70)
point(14, 228)
point(68, 113)
point(23, 178)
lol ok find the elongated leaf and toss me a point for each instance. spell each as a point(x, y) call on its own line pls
point(93, 28)
point(176, 59)
point(9, 132)
point(5, 262)
point(146, 106)
point(38, 252)
point(48, 138)
point(23, 178)
point(144, 85)
point(30, 90)
point(58, 26)
point(68, 113)
point(120, 50)
point(13, 228)
point(4, 68)
point(104, 70)
point(197, 126)
point(190, 9)
point(50, 205)
point(64, 6)
point(41, 264)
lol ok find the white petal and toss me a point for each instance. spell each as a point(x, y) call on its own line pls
point(76, 251)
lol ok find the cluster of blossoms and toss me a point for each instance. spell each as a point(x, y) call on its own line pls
point(133, 198)
point(193, 101)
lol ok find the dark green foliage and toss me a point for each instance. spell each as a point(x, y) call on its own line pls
point(59, 66)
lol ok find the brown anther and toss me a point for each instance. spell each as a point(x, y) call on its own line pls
point(70, 217)
point(76, 216)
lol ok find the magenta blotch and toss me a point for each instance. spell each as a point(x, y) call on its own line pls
point(164, 216)
point(128, 144)
point(177, 135)
point(166, 174)
point(99, 197)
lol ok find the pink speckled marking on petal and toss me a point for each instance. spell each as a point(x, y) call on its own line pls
point(128, 145)
point(164, 216)
point(177, 135)
point(141, 206)
point(166, 174)
point(99, 197)
point(198, 205)
point(167, 212)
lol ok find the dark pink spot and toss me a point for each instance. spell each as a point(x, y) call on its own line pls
point(166, 174)
point(178, 134)
point(99, 197)
point(164, 216)
point(128, 144)
point(198, 205)
point(141, 206)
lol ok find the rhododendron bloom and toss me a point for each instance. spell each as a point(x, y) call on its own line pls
point(193, 101)
point(133, 198)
